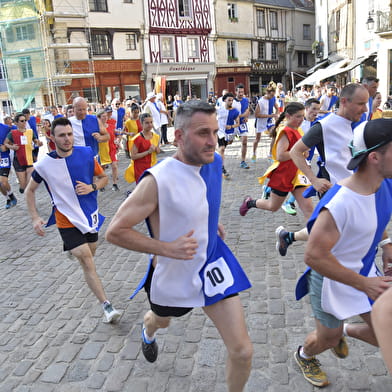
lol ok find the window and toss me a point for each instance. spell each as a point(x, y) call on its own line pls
point(2, 71)
point(184, 9)
point(98, 5)
point(306, 31)
point(92, 94)
point(25, 67)
point(131, 41)
point(261, 50)
point(128, 1)
point(193, 47)
point(337, 24)
point(100, 43)
point(260, 14)
point(302, 59)
point(274, 51)
point(167, 47)
point(25, 32)
point(232, 11)
point(274, 20)
point(232, 50)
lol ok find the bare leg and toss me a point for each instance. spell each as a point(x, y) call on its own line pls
point(273, 203)
point(363, 332)
point(321, 339)
point(256, 142)
point(301, 235)
point(305, 205)
point(22, 179)
point(153, 322)
point(115, 172)
point(244, 146)
point(85, 254)
point(228, 317)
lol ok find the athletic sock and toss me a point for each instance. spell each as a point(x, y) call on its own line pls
point(345, 329)
point(251, 203)
point(147, 339)
point(303, 355)
point(290, 237)
point(104, 303)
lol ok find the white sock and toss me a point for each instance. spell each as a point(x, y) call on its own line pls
point(148, 338)
point(303, 355)
point(345, 329)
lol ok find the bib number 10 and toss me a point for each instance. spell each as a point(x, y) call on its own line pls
point(217, 277)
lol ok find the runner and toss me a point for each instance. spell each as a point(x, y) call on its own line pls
point(186, 247)
point(73, 176)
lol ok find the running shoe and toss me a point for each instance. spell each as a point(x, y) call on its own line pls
point(111, 314)
point(8, 204)
point(115, 188)
point(311, 370)
point(244, 165)
point(225, 173)
point(283, 240)
point(341, 350)
point(14, 201)
point(253, 159)
point(149, 349)
point(244, 206)
point(286, 207)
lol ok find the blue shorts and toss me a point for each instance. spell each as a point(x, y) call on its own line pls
point(315, 284)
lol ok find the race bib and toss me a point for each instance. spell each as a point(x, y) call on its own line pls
point(94, 219)
point(217, 278)
point(23, 140)
point(243, 127)
point(303, 180)
point(4, 162)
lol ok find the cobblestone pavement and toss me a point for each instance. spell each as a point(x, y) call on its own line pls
point(52, 337)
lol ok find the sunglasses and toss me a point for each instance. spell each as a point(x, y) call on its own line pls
point(355, 153)
point(118, 104)
point(21, 120)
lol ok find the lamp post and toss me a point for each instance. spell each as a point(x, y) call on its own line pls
point(370, 22)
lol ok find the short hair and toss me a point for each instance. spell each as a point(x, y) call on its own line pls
point(370, 79)
point(309, 102)
point(18, 115)
point(240, 85)
point(6, 118)
point(227, 96)
point(188, 109)
point(68, 107)
point(350, 89)
point(59, 121)
point(144, 116)
point(26, 111)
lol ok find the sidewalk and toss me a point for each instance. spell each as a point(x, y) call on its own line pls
point(52, 335)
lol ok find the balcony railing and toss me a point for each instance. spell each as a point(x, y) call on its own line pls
point(384, 22)
point(260, 65)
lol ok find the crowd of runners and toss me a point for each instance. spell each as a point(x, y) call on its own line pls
point(341, 129)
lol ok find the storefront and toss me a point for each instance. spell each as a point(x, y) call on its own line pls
point(228, 77)
point(190, 79)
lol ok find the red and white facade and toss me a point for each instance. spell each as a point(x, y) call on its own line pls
point(178, 46)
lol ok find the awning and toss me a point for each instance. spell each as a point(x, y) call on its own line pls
point(324, 73)
point(355, 63)
point(316, 67)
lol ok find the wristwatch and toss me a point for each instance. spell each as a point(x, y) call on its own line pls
point(94, 186)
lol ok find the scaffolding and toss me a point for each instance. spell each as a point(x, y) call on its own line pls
point(38, 56)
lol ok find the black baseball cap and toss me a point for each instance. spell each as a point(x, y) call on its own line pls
point(368, 136)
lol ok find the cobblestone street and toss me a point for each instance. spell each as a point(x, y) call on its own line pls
point(52, 337)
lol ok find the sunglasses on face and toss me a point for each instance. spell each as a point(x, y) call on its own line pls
point(21, 120)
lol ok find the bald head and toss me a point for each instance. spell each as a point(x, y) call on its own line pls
point(80, 108)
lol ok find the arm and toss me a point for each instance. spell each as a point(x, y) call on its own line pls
point(298, 154)
point(31, 206)
point(282, 153)
point(143, 203)
point(103, 135)
point(100, 180)
point(135, 154)
point(10, 145)
point(386, 255)
point(318, 256)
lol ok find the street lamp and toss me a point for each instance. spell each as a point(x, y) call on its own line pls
point(370, 22)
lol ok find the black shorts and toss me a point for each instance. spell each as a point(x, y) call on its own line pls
point(4, 171)
point(167, 311)
point(18, 167)
point(282, 193)
point(222, 142)
point(73, 237)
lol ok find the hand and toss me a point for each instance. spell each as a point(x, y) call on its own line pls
point(3, 148)
point(95, 135)
point(39, 143)
point(38, 225)
point(15, 147)
point(321, 185)
point(387, 259)
point(151, 149)
point(375, 286)
point(184, 247)
point(83, 189)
